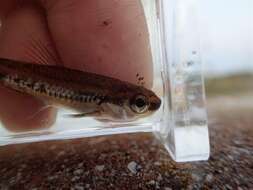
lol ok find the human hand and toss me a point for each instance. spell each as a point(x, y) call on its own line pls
point(107, 37)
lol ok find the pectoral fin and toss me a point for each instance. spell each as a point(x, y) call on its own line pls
point(40, 110)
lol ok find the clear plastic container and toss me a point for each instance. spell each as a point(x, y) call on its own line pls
point(181, 122)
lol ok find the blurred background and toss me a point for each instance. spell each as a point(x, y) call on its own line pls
point(226, 28)
point(227, 46)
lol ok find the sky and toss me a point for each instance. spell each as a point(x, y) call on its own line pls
point(227, 36)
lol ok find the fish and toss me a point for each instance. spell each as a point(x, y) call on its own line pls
point(89, 94)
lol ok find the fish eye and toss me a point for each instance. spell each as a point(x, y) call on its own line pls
point(139, 104)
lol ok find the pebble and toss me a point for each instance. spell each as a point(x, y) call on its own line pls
point(78, 171)
point(100, 168)
point(133, 167)
point(151, 182)
point(159, 178)
point(61, 153)
point(196, 177)
point(154, 183)
point(19, 176)
point(87, 186)
point(80, 165)
point(50, 178)
point(78, 187)
point(230, 157)
point(157, 163)
point(209, 177)
point(23, 166)
point(228, 186)
point(75, 178)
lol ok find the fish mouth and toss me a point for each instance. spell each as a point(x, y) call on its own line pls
point(155, 103)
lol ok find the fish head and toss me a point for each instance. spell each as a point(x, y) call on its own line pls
point(136, 103)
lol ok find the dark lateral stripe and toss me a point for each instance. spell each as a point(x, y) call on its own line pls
point(57, 92)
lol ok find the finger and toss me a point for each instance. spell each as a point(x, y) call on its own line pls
point(20, 35)
point(106, 37)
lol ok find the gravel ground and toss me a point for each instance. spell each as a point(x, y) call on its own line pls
point(135, 161)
